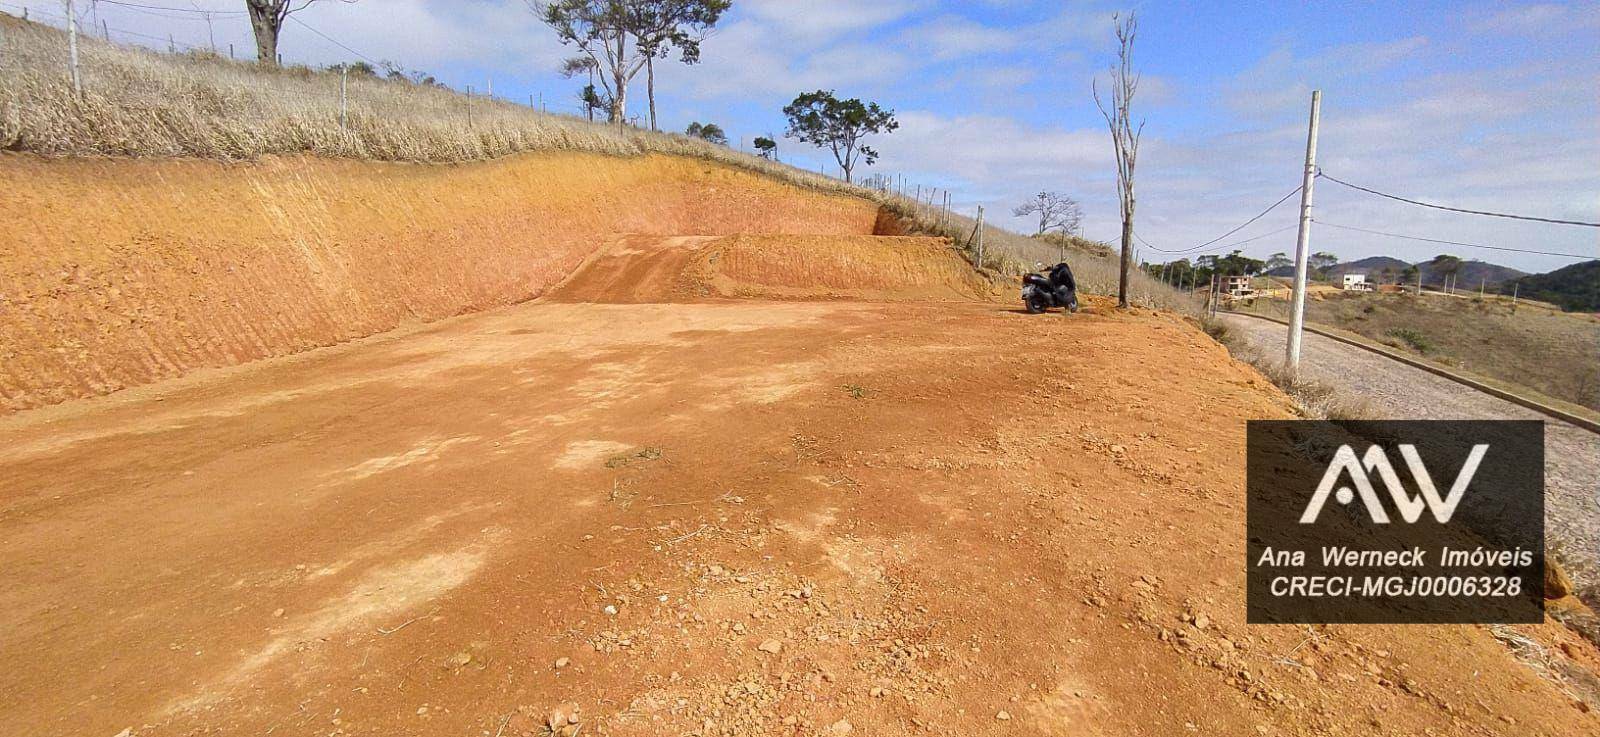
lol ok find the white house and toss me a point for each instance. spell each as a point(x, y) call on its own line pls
point(1356, 283)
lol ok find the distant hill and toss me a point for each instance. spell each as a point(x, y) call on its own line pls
point(1372, 266)
point(1467, 276)
point(1471, 273)
point(1575, 288)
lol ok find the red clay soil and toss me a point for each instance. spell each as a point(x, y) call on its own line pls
point(115, 272)
point(643, 268)
point(724, 518)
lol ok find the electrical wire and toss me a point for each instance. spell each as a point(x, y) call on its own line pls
point(1455, 209)
point(189, 14)
point(1220, 249)
point(87, 29)
point(1456, 243)
point(1236, 229)
point(192, 11)
point(333, 41)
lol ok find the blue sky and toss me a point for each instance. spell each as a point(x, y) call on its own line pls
point(1485, 106)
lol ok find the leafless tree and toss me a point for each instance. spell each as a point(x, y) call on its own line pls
point(266, 20)
point(1055, 211)
point(1124, 136)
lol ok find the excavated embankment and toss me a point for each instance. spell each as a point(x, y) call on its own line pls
point(115, 273)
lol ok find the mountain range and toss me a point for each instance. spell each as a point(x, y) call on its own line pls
point(1388, 269)
point(1574, 288)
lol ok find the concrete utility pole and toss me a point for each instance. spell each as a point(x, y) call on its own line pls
point(72, 46)
point(1302, 245)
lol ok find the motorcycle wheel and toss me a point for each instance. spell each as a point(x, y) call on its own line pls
point(1037, 304)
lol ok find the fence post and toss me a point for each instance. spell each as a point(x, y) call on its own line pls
point(344, 78)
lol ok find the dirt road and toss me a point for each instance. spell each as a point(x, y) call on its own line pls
point(1572, 454)
point(730, 518)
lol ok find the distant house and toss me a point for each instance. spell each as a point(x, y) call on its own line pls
point(1356, 283)
point(1238, 286)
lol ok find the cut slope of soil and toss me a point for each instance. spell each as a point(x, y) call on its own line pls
point(115, 273)
point(837, 267)
point(643, 268)
point(736, 518)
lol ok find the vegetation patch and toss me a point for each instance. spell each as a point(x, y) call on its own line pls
point(642, 455)
point(1412, 338)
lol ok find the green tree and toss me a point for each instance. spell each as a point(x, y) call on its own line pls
point(1278, 261)
point(1320, 262)
point(664, 25)
point(825, 121)
point(1446, 266)
point(767, 147)
point(710, 132)
point(355, 69)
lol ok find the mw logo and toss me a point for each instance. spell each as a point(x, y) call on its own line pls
point(1376, 460)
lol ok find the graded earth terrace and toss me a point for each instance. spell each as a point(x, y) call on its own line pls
point(650, 446)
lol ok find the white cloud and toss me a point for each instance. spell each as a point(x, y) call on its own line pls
point(1538, 20)
point(813, 19)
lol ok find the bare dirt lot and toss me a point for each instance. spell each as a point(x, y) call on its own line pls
point(709, 516)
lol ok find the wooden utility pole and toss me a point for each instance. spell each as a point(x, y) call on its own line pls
point(1302, 245)
point(72, 47)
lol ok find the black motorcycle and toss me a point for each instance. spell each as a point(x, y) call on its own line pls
point(1041, 292)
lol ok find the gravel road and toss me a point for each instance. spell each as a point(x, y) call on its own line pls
point(1572, 454)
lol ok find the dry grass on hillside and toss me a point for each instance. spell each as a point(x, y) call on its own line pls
point(138, 102)
point(1551, 352)
point(1314, 399)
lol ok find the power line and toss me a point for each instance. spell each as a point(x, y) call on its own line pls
point(1220, 249)
point(1236, 229)
point(1456, 209)
point(331, 40)
point(192, 11)
point(1454, 243)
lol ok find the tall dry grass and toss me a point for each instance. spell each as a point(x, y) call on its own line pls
point(137, 102)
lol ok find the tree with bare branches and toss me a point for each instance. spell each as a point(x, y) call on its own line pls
point(266, 21)
point(605, 32)
point(1124, 84)
point(1056, 212)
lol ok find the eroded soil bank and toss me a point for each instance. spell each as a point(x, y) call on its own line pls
point(115, 273)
